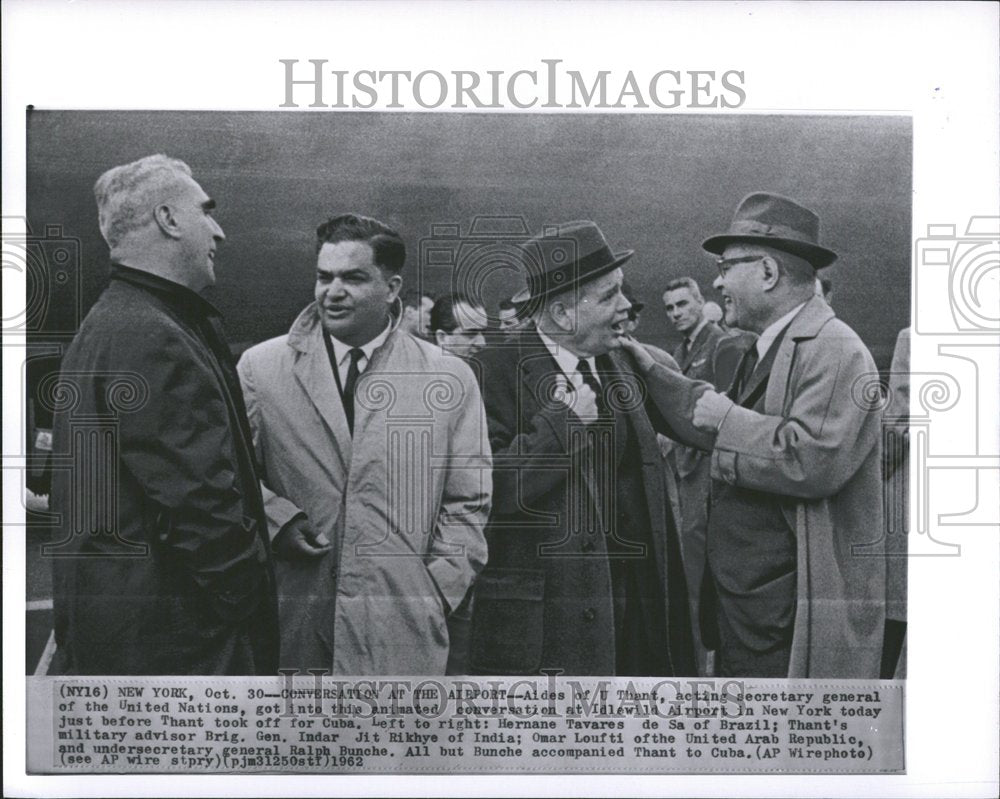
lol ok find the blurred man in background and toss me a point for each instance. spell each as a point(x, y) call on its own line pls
point(458, 325)
point(713, 313)
point(416, 313)
point(512, 313)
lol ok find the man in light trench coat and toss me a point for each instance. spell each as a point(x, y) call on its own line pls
point(795, 577)
point(376, 463)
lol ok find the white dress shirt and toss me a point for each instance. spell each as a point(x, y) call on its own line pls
point(568, 361)
point(771, 332)
point(342, 353)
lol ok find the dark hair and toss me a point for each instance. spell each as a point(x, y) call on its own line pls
point(507, 304)
point(443, 313)
point(826, 284)
point(388, 250)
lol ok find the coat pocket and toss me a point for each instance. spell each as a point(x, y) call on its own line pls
point(507, 628)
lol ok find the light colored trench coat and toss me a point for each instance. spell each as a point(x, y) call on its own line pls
point(404, 503)
point(818, 441)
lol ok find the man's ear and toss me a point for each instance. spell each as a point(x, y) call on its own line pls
point(165, 219)
point(439, 337)
point(395, 283)
point(770, 272)
point(561, 315)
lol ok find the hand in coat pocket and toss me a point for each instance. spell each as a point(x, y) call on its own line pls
point(297, 539)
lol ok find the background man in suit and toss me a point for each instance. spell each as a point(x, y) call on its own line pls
point(179, 582)
point(458, 326)
point(796, 575)
point(507, 314)
point(584, 573)
point(374, 445)
point(512, 313)
point(416, 313)
point(706, 352)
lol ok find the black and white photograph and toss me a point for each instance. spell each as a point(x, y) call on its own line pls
point(610, 488)
point(578, 402)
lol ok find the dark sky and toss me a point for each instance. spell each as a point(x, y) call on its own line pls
point(658, 184)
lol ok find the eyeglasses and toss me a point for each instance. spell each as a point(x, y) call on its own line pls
point(725, 264)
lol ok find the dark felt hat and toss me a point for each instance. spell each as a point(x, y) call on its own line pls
point(774, 221)
point(566, 256)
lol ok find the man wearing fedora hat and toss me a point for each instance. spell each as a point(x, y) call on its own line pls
point(584, 574)
point(795, 580)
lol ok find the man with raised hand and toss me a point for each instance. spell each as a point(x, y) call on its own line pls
point(795, 579)
point(584, 576)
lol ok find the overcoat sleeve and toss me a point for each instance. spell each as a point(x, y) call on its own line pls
point(279, 511)
point(179, 447)
point(670, 401)
point(458, 546)
point(816, 446)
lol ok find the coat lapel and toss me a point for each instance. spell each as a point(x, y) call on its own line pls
point(696, 347)
point(634, 414)
point(806, 324)
point(313, 371)
point(539, 374)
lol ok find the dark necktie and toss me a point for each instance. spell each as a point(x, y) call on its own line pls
point(349, 385)
point(685, 349)
point(744, 373)
point(591, 382)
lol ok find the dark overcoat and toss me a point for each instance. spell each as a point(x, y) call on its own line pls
point(161, 562)
point(545, 600)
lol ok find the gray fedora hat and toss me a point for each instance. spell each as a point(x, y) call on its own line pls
point(774, 221)
point(566, 256)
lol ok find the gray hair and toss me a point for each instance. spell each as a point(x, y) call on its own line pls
point(127, 194)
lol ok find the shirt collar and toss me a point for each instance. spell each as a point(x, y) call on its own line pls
point(175, 293)
point(694, 333)
point(566, 360)
point(772, 330)
point(342, 351)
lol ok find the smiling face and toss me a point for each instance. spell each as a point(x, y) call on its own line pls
point(744, 287)
point(596, 323)
point(683, 309)
point(353, 293)
point(199, 234)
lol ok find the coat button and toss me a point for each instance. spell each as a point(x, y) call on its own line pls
point(590, 614)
